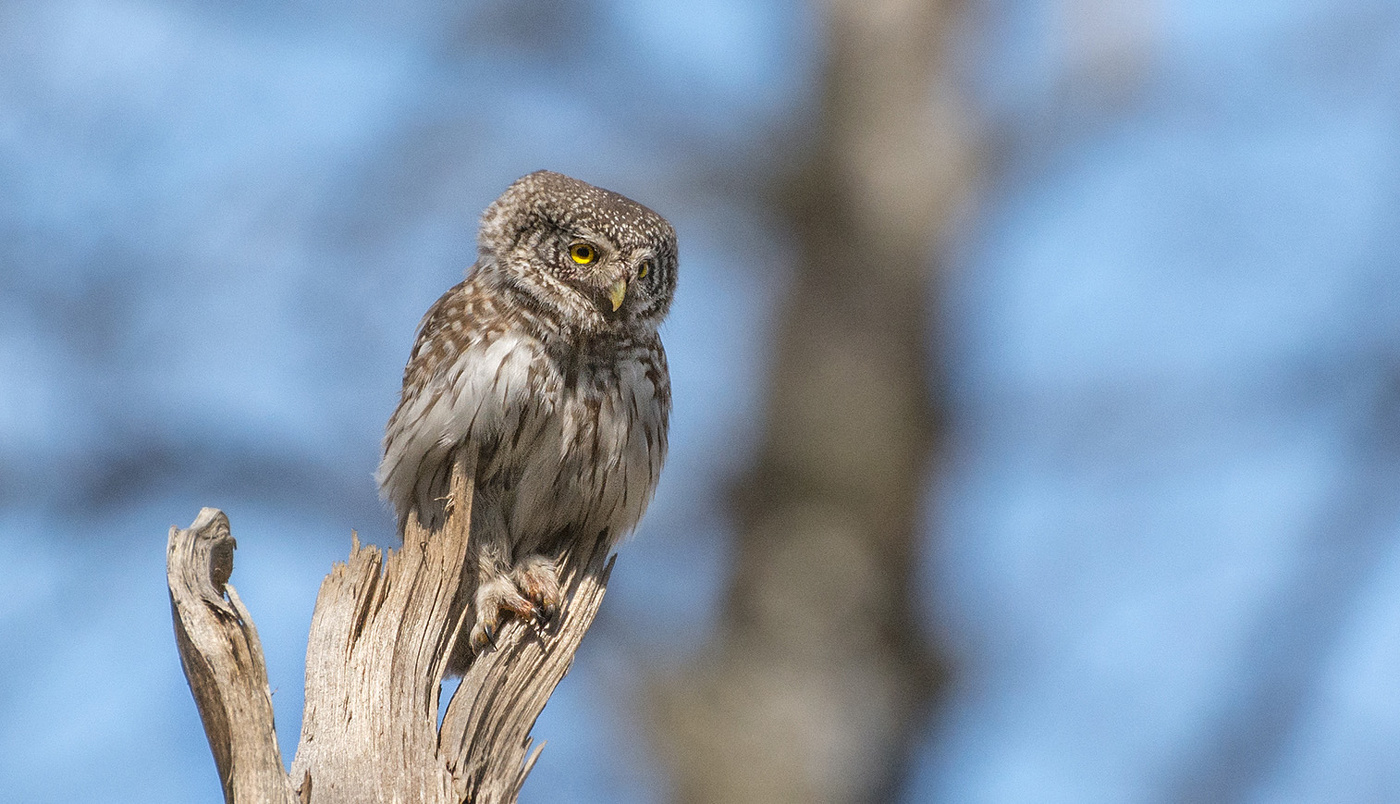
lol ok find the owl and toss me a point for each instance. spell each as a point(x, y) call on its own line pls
point(547, 362)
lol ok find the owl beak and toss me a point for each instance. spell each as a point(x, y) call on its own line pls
point(617, 291)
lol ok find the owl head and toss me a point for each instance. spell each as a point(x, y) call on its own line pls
point(589, 259)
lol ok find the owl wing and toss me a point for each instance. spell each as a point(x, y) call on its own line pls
point(467, 380)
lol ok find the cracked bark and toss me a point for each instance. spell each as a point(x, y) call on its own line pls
point(382, 631)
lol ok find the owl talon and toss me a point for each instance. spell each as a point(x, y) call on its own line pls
point(548, 613)
point(538, 580)
point(496, 599)
point(483, 635)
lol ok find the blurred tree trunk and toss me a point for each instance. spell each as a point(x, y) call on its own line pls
point(819, 676)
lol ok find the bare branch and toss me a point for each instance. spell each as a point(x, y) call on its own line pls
point(487, 733)
point(383, 630)
point(223, 661)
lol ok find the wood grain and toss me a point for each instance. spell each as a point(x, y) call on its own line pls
point(383, 629)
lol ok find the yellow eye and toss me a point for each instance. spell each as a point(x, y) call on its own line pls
point(583, 253)
point(644, 270)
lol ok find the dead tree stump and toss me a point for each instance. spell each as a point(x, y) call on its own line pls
point(381, 635)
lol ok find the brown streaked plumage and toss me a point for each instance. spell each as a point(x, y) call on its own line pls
point(546, 361)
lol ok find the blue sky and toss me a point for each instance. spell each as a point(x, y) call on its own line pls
point(1165, 544)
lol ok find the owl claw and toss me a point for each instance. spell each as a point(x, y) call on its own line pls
point(538, 581)
point(531, 594)
point(548, 613)
point(495, 599)
point(483, 635)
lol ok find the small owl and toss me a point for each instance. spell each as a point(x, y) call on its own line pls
point(546, 360)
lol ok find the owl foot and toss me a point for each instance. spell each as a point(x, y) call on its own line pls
point(496, 599)
point(530, 593)
point(538, 580)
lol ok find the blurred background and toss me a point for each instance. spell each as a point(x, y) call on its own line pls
point(1036, 366)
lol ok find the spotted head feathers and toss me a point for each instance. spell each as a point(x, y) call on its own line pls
point(596, 259)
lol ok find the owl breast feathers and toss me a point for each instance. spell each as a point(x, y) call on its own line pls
point(547, 362)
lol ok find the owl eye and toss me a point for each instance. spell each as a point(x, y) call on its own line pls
point(583, 253)
point(644, 270)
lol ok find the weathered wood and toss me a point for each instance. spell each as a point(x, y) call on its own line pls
point(383, 629)
point(223, 661)
point(488, 735)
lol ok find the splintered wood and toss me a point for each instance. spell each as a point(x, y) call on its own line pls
point(381, 635)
